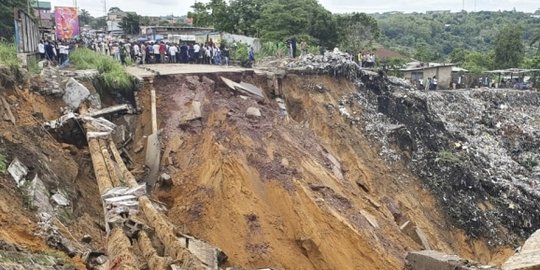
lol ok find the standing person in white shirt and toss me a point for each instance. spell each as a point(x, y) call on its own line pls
point(196, 53)
point(136, 53)
point(172, 52)
point(41, 49)
point(64, 51)
point(155, 48)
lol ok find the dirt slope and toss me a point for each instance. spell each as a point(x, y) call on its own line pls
point(308, 192)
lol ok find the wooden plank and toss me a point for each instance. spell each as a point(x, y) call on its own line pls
point(120, 251)
point(9, 113)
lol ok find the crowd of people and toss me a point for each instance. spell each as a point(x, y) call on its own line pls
point(167, 52)
point(366, 59)
point(55, 51)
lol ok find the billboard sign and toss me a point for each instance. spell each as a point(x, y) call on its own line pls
point(67, 22)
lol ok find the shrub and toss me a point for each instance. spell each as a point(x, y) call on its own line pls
point(8, 55)
point(446, 156)
point(113, 76)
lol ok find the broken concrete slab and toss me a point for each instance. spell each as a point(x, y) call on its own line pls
point(40, 196)
point(75, 93)
point(431, 260)
point(60, 199)
point(194, 112)
point(252, 89)
point(94, 101)
point(528, 257)
point(253, 112)
point(244, 87)
point(152, 160)
point(18, 171)
point(205, 252)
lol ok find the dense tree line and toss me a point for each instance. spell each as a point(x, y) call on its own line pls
point(7, 26)
point(277, 20)
point(439, 35)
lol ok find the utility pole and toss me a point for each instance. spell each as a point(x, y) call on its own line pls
point(463, 5)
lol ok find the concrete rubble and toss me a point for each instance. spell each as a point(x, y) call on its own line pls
point(431, 260)
point(528, 256)
point(244, 87)
point(253, 112)
point(75, 93)
point(18, 171)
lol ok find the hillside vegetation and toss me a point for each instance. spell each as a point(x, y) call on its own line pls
point(439, 35)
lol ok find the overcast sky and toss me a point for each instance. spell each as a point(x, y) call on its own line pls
point(181, 7)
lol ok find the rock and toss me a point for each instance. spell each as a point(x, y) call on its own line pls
point(284, 162)
point(253, 112)
point(370, 218)
point(86, 239)
point(60, 199)
point(166, 179)
point(75, 93)
point(431, 260)
point(101, 259)
point(528, 257)
point(18, 171)
point(40, 196)
point(94, 101)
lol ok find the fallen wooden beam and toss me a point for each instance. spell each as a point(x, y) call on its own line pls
point(111, 168)
point(120, 251)
point(109, 110)
point(155, 262)
point(165, 233)
point(9, 113)
point(100, 168)
point(128, 177)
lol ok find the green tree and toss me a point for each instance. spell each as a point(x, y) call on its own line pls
point(130, 24)
point(535, 39)
point(424, 53)
point(509, 48)
point(99, 23)
point(201, 15)
point(244, 15)
point(114, 10)
point(477, 62)
point(84, 16)
point(357, 31)
point(7, 27)
point(280, 19)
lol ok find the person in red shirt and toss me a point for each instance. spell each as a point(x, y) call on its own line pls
point(162, 51)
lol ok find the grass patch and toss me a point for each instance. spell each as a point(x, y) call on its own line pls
point(446, 156)
point(8, 55)
point(112, 75)
point(529, 163)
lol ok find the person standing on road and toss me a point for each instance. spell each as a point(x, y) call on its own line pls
point(162, 51)
point(143, 53)
point(225, 53)
point(251, 56)
point(41, 49)
point(196, 52)
point(155, 49)
point(172, 51)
